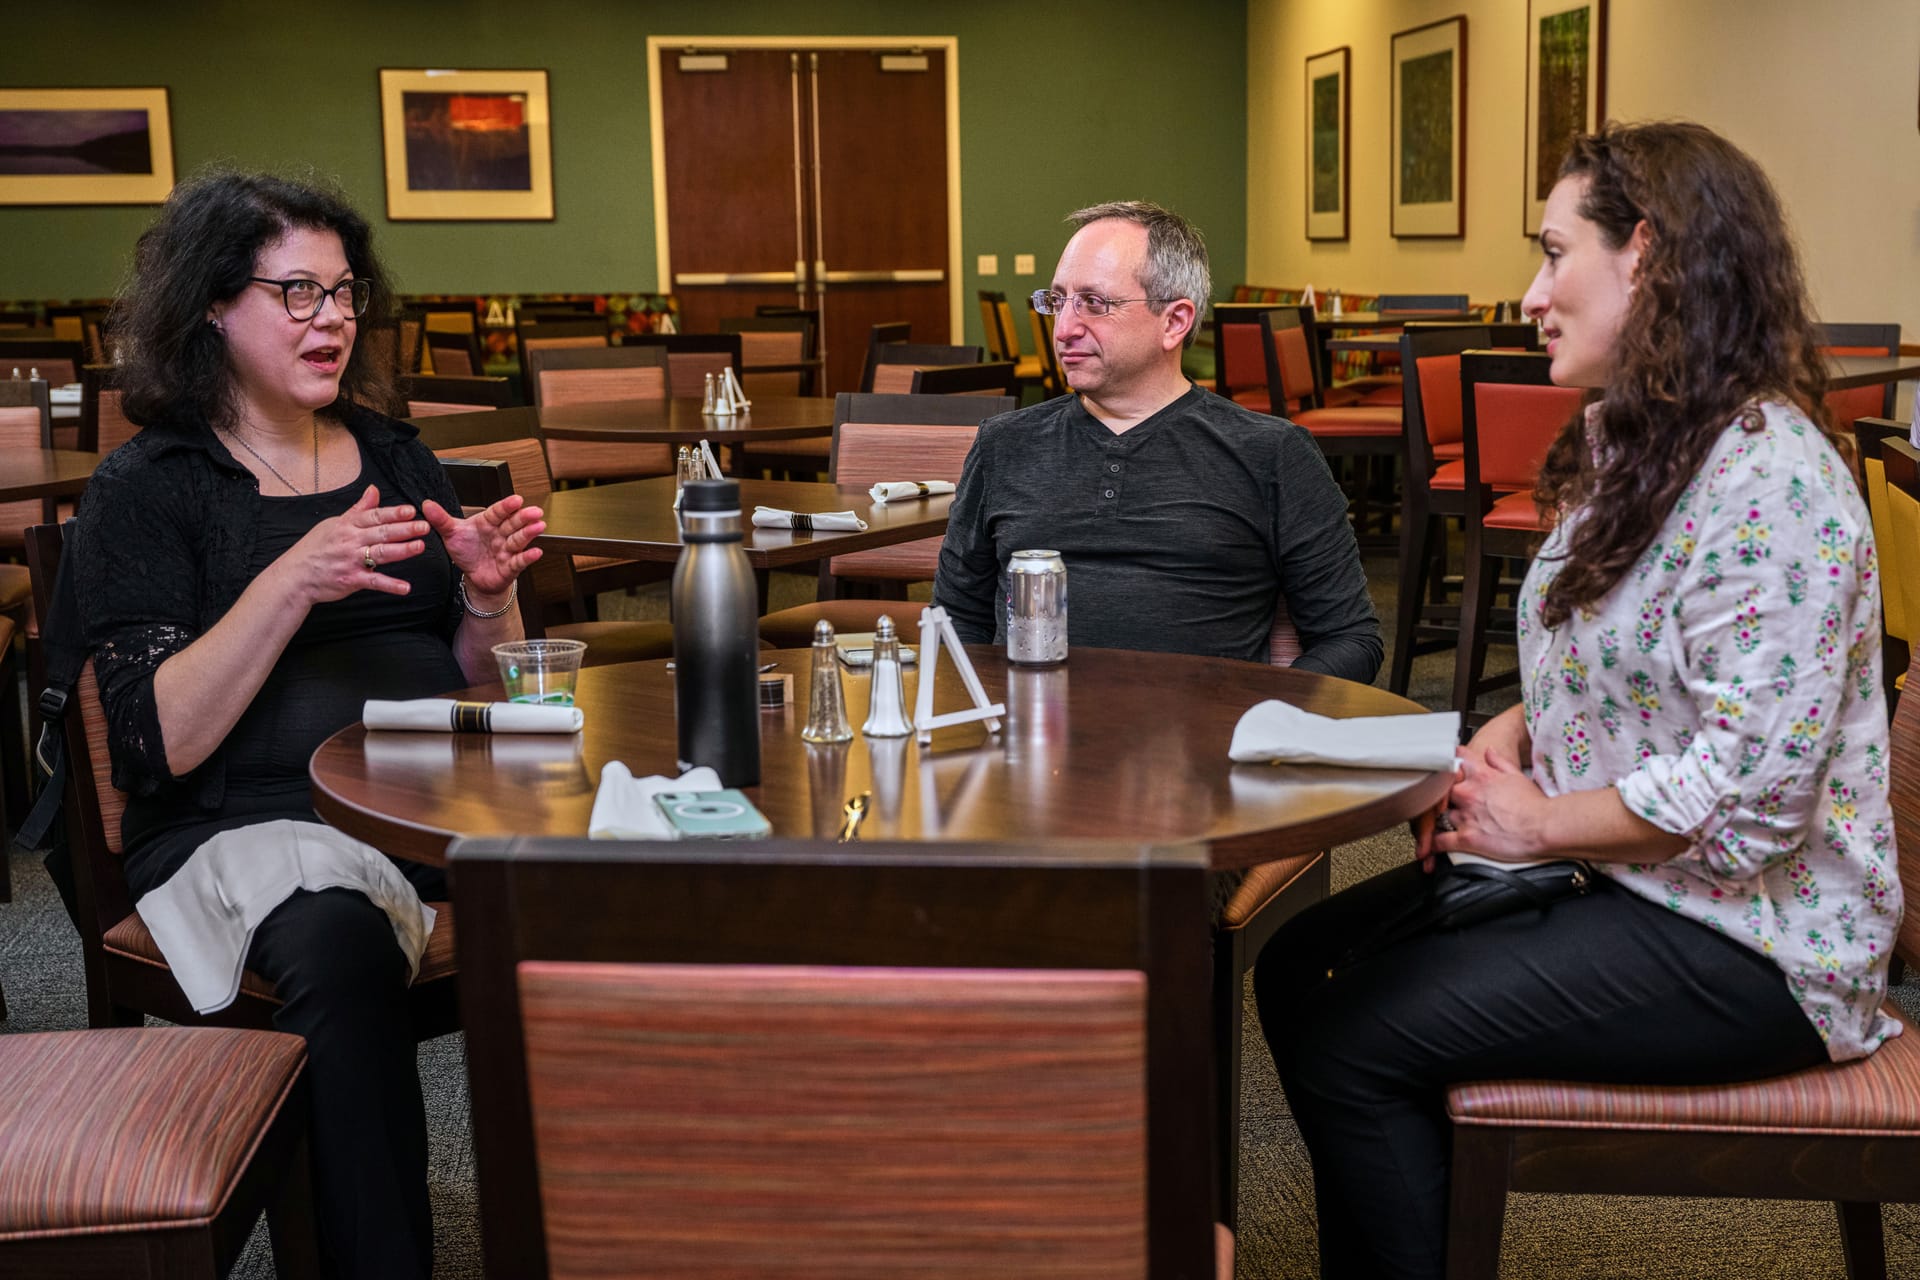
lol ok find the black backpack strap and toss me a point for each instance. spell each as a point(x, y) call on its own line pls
point(64, 647)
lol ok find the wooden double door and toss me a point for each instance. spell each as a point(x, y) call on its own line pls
point(815, 178)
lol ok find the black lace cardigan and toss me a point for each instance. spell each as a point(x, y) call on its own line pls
point(159, 552)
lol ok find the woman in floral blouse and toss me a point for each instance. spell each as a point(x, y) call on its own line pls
point(1702, 722)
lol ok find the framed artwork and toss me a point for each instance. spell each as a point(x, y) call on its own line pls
point(1429, 123)
point(85, 146)
point(1566, 90)
point(466, 145)
point(1328, 104)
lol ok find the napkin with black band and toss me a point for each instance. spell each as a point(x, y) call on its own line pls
point(1275, 732)
point(445, 715)
point(894, 490)
point(807, 521)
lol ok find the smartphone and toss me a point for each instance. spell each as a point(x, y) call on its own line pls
point(712, 815)
point(860, 654)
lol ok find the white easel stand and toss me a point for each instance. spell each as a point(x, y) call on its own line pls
point(937, 633)
point(736, 395)
point(711, 463)
point(1307, 298)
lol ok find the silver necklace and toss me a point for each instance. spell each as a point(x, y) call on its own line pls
point(237, 438)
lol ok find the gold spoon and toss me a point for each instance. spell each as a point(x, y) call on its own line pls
point(856, 813)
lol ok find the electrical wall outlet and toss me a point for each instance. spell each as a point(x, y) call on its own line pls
point(988, 265)
point(1023, 264)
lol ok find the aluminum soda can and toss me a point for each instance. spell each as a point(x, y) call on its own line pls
point(1036, 591)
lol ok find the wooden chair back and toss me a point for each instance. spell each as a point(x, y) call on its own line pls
point(1240, 370)
point(1018, 1084)
point(1056, 379)
point(885, 334)
point(430, 395)
point(104, 425)
point(1897, 555)
point(452, 354)
point(526, 466)
point(1847, 406)
point(910, 437)
point(1430, 365)
point(1403, 304)
point(993, 379)
point(576, 375)
point(789, 338)
point(58, 361)
point(569, 331)
point(898, 362)
point(691, 357)
point(26, 422)
point(1510, 412)
point(1289, 352)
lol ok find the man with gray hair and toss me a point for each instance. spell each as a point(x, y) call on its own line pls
point(1184, 519)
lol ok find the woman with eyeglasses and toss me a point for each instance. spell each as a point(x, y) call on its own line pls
point(266, 554)
point(1702, 723)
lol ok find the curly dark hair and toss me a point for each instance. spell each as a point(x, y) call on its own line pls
point(200, 250)
point(1718, 318)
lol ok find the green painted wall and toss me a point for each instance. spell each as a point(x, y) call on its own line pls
point(1059, 106)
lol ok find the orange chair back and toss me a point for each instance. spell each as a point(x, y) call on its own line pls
point(866, 453)
point(1440, 398)
point(1296, 366)
point(1517, 424)
point(1241, 364)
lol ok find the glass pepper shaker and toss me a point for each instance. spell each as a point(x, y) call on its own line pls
point(826, 700)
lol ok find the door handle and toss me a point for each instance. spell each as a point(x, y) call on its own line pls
point(691, 279)
point(930, 275)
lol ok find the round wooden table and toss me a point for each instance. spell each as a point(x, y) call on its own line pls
point(671, 422)
point(1111, 745)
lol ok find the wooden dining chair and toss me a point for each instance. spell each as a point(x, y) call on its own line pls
point(995, 378)
point(1003, 341)
point(104, 425)
point(692, 356)
point(570, 331)
point(884, 334)
point(733, 1056)
point(453, 353)
point(1860, 340)
point(433, 395)
point(576, 375)
point(1042, 326)
point(554, 601)
point(1895, 528)
point(127, 977)
point(892, 373)
point(58, 361)
point(1848, 1132)
point(882, 438)
point(1240, 371)
point(777, 353)
point(151, 1151)
point(1510, 412)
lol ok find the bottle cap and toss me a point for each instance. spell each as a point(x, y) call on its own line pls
point(711, 495)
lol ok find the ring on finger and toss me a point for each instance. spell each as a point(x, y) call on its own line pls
point(366, 558)
point(1444, 822)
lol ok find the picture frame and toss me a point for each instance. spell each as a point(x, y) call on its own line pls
point(1329, 116)
point(467, 145)
point(1428, 120)
point(85, 146)
point(1566, 91)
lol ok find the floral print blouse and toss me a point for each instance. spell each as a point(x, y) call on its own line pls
point(1729, 686)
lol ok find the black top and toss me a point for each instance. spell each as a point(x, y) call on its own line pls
point(162, 549)
point(1179, 534)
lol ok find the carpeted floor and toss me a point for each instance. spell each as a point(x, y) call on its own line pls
point(1547, 1237)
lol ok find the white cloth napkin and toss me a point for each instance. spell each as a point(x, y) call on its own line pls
point(623, 807)
point(889, 490)
point(1280, 731)
point(838, 521)
point(444, 715)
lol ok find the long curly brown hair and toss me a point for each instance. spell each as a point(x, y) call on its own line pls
point(1718, 318)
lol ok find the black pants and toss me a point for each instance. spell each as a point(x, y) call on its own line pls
point(1606, 987)
point(334, 961)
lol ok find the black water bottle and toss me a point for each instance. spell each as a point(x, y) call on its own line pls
point(716, 642)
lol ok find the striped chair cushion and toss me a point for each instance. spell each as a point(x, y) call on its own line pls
point(131, 940)
point(127, 1127)
point(1877, 1096)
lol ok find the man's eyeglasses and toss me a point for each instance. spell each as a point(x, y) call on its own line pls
point(304, 298)
point(1090, 305)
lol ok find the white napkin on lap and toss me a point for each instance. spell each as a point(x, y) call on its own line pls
point(889, 491)
point(1279, 731)
point(444, 715)
point(835, 521)
point(623, 807)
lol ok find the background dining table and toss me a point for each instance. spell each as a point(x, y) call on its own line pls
point(1110, 744)
point(45, 473)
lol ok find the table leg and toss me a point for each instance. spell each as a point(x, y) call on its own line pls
point(761, 583)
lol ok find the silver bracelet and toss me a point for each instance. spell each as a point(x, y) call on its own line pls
point(513, 593)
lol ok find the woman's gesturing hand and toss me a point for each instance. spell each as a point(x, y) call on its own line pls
point(341, 556)
point(493, 547)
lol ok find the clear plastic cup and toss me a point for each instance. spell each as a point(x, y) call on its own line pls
point(543, 671)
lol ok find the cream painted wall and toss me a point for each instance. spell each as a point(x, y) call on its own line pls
point(1822, 95)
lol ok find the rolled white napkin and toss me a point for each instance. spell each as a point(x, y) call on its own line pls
point(623, 807)
point(890, 491)
point(445, 715)
point(837, 521)
point(1280, 731)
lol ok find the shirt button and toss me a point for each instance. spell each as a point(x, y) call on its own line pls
point(1113, 466)
point(1109, 493)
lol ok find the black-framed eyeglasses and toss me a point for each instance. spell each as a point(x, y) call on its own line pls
point(1091, 305)
point(304, 298)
